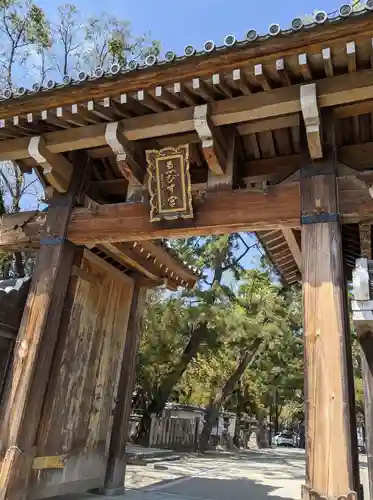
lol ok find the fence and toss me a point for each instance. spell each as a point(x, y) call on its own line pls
point(174, 432)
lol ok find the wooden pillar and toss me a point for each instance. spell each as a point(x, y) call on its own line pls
point(363, 320)
point(35, 346)
point(331, 469)
point(116, 465)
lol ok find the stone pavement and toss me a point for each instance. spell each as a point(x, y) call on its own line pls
point(263, 475)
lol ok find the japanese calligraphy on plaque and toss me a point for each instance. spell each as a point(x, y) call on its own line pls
point(169, 183)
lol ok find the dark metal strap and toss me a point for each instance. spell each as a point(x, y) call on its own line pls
point(320, 218)
point(56, 240)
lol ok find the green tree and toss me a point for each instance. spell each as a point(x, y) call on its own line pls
point(202, 313)
point(24, 29)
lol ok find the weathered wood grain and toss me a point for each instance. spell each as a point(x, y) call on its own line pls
point(116, 465)
point(35, 346)
point(329, 447)
point(77, 414)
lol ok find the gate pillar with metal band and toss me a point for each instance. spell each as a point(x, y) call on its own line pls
point(362, 310)
point(331, 469)
point(36, 340)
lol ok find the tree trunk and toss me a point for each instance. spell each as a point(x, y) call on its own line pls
point(19, 265)
point(213, 409)
point(166, 387)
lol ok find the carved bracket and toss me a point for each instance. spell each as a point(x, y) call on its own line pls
point(213, 143)
point(56, 168)
point(311, 116)
point(125, 153)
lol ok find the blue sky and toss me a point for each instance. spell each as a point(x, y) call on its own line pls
point(177, 24)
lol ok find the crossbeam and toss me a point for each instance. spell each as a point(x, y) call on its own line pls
point(285, 101)
point(218, 213)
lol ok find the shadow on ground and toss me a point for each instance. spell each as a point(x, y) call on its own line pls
point(238, 488)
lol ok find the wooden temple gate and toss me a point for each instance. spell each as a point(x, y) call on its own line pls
point(273, 134)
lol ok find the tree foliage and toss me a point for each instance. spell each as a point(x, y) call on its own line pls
point(251, 334)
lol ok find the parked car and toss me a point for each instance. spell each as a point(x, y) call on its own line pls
point(283, 439)
point(361, 445)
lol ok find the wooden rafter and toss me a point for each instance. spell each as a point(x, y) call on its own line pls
point(285, 101)
point(124, 253)
point(339, 33)
point(294, 247)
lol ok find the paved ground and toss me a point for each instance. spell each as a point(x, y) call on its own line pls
point(269, 474)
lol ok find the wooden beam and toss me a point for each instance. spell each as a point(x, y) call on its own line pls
point(185, 94)
point(56, 168)
point(125, 153)
point(344, 89)
point(276, 123)
point(228, 211)
point(311, 117)
point(224, 212)
point(36, 341)
point(294, 247)
point(216, 213)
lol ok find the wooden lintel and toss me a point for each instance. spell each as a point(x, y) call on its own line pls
point(294, 247)
point(216, 213)
point(56, 168)
point(212, 141)
point(311, 117)
point(124, 152)
point(228, 211)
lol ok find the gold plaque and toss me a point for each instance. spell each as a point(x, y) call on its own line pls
point(53, 462)
point(169, 183)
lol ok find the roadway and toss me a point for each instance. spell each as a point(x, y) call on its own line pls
point(259, 475)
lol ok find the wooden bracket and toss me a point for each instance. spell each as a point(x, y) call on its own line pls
point(311, 116)
point(125, 153)
point(56, 168)
point(213, 143)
